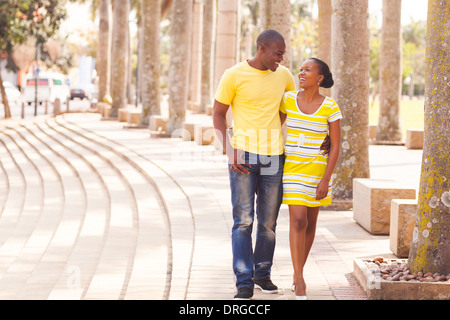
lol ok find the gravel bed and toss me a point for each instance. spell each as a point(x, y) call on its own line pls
point(397, 270)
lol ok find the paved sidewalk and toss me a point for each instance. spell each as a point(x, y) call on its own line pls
point(149, 218)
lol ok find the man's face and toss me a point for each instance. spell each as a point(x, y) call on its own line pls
point(273, 54)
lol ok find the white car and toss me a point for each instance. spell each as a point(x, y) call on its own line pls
point(50, 87)
point(12, 93)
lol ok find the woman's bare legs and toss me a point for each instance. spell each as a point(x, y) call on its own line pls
point(302, 231)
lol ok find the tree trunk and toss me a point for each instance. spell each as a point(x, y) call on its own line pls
point(209, 13)
point(150, 59)
point(411, 86)
point(4, 98)
point(388, 128)
point(430, 247)
point(276, 15)
point(180, 56)
point(226, 42)
point(104, 49)
point(325, 11)
point(350, 67)
point(119, 65)
point(195, 70)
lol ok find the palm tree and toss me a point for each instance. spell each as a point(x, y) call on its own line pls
point(209, 11)
point(325, 11)
point(430, 247)
point(150, 59)
point(180, 36)
point(388, 128)
point(276, 15)
point(226, 41)
point(104, 48)
point(350, 67)
point(119, 67)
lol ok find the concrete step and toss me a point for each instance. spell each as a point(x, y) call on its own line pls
point(136, 227)
point(174, 200)
point(30, 234)
point(192, 204)
point(78, 221)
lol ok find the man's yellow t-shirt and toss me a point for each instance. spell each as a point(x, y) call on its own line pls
point(255, 97)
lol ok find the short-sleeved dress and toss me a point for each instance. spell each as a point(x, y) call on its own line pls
point(305, 164)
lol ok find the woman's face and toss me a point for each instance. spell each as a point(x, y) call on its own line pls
point(309, 75)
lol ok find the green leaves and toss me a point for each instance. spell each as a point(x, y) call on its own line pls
point(21, 19)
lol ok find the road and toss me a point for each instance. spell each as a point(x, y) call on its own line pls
point(16, 110)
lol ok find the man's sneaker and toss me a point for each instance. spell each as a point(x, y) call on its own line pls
point(244, 294)
point(266, 286)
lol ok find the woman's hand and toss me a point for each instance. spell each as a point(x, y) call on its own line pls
point(322, 189)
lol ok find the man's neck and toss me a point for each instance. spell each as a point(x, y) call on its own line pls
point(256, 63)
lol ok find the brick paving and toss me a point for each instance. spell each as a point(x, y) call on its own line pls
point(92, 210)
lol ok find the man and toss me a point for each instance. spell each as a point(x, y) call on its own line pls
point(254, 89)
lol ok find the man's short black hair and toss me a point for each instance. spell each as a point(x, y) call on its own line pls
point(268, 36)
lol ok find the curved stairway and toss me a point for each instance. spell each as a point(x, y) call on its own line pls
point(84, 217)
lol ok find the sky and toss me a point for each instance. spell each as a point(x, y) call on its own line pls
point(79, 14)
point(415, 9)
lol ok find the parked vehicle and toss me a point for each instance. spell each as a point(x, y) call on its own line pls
point(77, 92)
point(84, 92)
point(50, 87)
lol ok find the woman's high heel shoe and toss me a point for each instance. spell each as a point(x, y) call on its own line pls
point(298, 297)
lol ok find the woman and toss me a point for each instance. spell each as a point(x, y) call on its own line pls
point(307, 171)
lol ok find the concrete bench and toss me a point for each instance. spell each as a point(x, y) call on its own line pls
point(134, 117)
point(194, 106)
point(101, 105)
point(106, 111)
point(189, 127)
point(403, 218)
point(204, 135)
point(209, 109)
point(372, 131)
point(414, 139)
point(123, 114)
point(372, 202)
point(158, 123)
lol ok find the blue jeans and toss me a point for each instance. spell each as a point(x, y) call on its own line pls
point(265, 182)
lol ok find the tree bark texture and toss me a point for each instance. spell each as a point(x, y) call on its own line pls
point(350, 68)
point(180, 57)
point(276, 15)
point(325, 11)
point(195, 68)
point(388, 128)
point(119, 61)
point(226, 42)
point(4, 98)
point(207, 73)
point(150, 60)
point(430, 247)
point(104, 49)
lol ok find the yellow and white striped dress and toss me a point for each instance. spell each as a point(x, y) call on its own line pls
point(305, 164)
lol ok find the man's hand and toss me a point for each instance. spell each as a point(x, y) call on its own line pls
point(326, 144)
point(237, 161)
point(235, 157)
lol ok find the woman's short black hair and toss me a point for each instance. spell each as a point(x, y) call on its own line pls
point(324, 70)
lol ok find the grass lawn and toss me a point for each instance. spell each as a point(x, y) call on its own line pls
point(411, 114)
